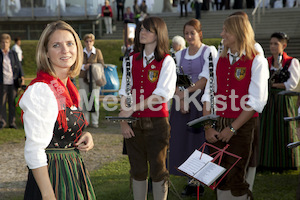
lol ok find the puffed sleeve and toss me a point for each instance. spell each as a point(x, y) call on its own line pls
point(258, 88)
point(178, 57)
point(205, 70)
point(166, 84)
point(294, 70)
point(40, 113)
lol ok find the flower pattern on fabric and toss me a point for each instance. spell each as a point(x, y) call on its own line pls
point(66, 139)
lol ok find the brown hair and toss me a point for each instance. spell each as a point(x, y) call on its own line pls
point(43, 63)
point(197, 26)
point(159, 27)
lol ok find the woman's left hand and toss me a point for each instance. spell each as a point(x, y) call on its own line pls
point(85, 143)
point(225, 135)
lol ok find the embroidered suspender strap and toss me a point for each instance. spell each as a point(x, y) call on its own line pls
point(128, 82)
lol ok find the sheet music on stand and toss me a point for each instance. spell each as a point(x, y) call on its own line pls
point(206, 168)
point(198, 166)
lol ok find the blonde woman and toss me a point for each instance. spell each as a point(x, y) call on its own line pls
point(54, 126)
point(241, 80)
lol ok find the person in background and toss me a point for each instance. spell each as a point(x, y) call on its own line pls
point(218, 4)
point(120, 9)
point(153, 77)
point(137, 12)
point(143, 9)
point(53, 123)
point(17, 48)
point(91, 55)
point(178, 43)
point(226, 4)
point(250, 4)
point(107, 14)
point(128, 16)
point(198, 7)
point(192, 61)
point(241, 72)
point(275, 133)
point(238, 4)
point(10, 72)
point(183, 3)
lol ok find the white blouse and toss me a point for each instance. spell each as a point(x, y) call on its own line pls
point(258, 88)
point(167, 79)
point(294, 70)
point(40, 113)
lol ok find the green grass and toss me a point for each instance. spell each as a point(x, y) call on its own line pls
point(11, 135)
point(112, 182)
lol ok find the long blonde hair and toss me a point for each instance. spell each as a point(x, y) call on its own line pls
point(242, 29)
point(42, 61)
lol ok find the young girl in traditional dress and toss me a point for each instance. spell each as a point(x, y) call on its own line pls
point(153, 78)
point(275, 133)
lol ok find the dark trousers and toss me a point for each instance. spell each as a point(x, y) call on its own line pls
point(120, 9)
point(225, 3)
point(238, 4)
point(250, 3)
point(8, 93)
point(218, 5)
point(240, 145)
point(182, 4)
point(198, 7)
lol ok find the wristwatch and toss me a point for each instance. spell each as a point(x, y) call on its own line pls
point(232, 129)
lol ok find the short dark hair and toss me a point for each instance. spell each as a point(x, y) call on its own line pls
point(281, 36)
point(17, 39)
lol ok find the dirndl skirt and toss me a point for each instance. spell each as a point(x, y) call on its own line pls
point(68, 176)
point(275, 133)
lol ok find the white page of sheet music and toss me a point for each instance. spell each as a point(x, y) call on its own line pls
point(209, 173)
point(193, 164)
